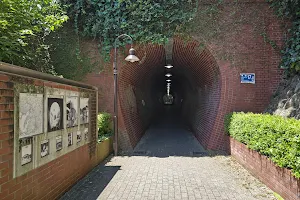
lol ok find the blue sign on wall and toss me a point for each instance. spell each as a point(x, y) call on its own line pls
point(248, 78)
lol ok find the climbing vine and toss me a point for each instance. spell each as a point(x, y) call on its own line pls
point(66, 54)
point(147, 21)
point(290, 9)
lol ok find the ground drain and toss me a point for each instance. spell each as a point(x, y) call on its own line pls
point(199, 153)
point(139, 153)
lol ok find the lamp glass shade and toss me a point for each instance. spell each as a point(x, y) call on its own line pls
point(132, 58)
point(168, 75)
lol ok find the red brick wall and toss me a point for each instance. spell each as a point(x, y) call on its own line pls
point(278, 179)
point(133, 88)
point(52, 179)
point(6, 134)
point(216, 88)
point(201, 103)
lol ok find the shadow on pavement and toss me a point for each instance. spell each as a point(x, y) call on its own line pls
point(92, 185)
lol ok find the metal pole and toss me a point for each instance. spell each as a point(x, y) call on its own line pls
point(115, 103)
point(115, 119)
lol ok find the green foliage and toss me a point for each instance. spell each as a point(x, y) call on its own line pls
point(23, 27)
point(104, 123)
point(291, 54)
point(65, 54)
point(273, 136)
point(147, 21)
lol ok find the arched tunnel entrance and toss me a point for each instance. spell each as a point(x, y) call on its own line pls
point(195, 86)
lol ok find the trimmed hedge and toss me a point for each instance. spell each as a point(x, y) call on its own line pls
point(273, 136)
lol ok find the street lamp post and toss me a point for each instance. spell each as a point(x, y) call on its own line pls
point(131, 58)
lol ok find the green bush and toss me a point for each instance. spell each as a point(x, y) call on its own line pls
point(104, 123)
point(273, 136)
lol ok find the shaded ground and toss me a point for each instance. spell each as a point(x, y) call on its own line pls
point(169, 163)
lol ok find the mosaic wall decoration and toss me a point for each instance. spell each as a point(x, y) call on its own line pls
point(55, 114)
point(84, 110)
point(30, 114)
point(44, 148)
point(72, 111)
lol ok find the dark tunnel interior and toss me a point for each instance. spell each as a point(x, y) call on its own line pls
point(170, 112)
point(194, 86)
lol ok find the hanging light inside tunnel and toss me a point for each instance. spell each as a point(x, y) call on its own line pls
point(169, 80)
point(168, 66)
point(168, 75)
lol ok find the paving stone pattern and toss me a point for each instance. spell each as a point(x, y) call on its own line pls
point(168, 163)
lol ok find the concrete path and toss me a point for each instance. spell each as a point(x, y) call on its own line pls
point(169, 163)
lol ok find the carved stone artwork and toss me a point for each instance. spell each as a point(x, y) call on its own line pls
point(30, 114)
point(84, 110)
point(72, 111)
point(70, 139)
point(44, 148)
point(26, 154)
point(58, 143)
point(55, 114)
point(78, 136)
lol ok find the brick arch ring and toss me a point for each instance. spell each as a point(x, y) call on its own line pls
point(207, 86)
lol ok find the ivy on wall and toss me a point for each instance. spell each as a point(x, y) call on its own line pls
point(290, 9)
point(147, 21)
point(66, 56)
point(230, 25)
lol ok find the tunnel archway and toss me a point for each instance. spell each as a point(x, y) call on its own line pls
point(196, 87)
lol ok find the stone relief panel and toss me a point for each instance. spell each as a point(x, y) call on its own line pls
point(30, 114)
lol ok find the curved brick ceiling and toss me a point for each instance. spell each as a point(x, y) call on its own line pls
point(195, 80)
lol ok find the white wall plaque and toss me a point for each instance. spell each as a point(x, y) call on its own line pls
point(247, 78)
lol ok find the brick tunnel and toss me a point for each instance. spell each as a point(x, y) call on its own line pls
point(208, 85)
point(207, 80)
point(195, 87)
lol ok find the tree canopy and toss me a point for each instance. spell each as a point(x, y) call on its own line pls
point(24, 24)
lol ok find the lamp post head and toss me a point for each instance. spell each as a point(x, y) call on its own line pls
point(132, 57)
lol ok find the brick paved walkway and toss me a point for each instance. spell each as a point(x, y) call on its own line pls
point(169, 164)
